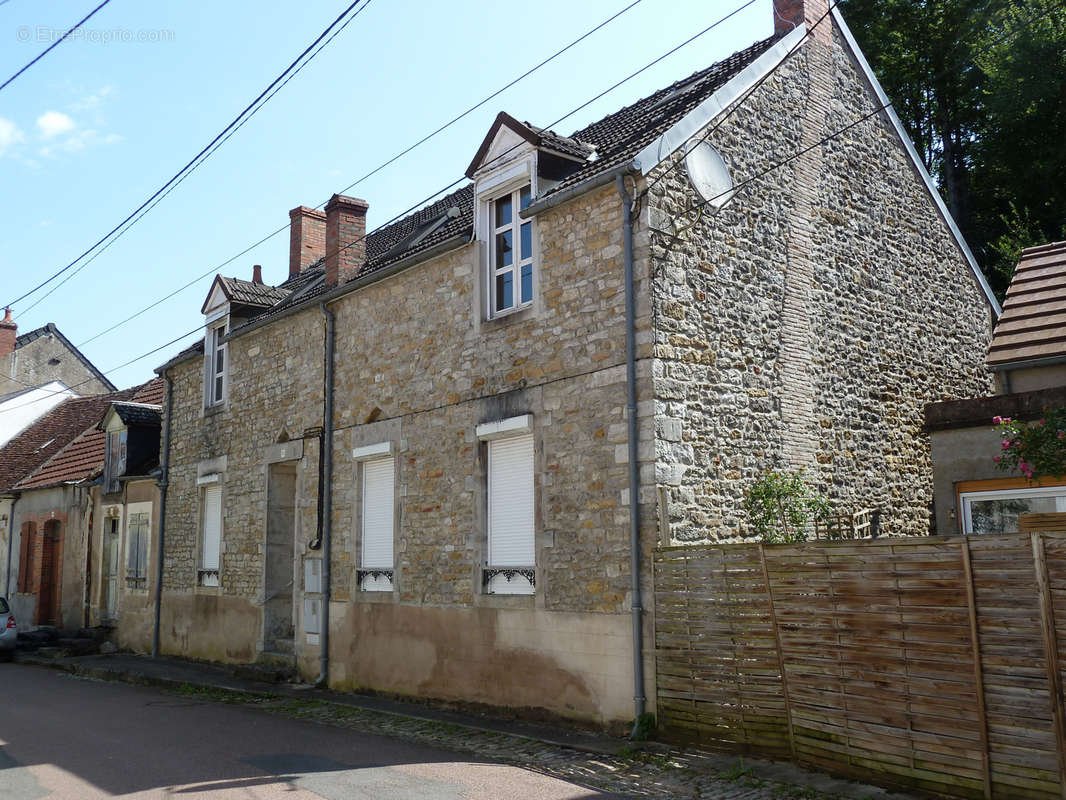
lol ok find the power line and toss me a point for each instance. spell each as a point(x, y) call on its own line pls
point(206, 156)
point(192, 164)
point(570, 113)
point(355, 183)
point(54, 44)
point(748, 93)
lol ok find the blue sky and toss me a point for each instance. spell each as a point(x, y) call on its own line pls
point(100, 123)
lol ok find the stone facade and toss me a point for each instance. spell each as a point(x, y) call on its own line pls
point(46, 358)
point(415, 356)
point(756, 369)
point(807, 323)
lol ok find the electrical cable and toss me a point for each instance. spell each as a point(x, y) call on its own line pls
point(369, 174)
point(54, 44)
point(193, 163)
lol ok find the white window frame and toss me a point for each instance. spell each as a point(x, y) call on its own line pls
point(513, 192)
point(209, 564)
point(215, 347)
point(375, 575)
point(509, 578)
point(966, 500)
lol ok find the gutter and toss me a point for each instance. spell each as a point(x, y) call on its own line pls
point(326, 482)
point(634, 467)
point(163, 482)
point(351, 286)
point(595, 182)
point(10, 543)
point(1049, 361)
point(409, 261)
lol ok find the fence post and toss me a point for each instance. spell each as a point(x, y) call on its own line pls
point(978, 676)
point(780, 652)
point(1051, 650)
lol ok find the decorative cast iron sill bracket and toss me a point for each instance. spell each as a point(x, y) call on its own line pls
point(488, 573)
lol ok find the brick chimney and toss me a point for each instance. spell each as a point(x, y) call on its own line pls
point(257, 273)
point(9, 331)
point(789, 14)
point(307, 238)
point(345, 242)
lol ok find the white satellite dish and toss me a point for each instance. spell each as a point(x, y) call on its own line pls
point(708, 173)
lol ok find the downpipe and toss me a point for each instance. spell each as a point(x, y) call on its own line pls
point(10, 544)
point(162, 483)
point(326, 482)
point(634, 467)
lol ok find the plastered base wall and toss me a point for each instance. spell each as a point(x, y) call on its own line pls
point(578, 666)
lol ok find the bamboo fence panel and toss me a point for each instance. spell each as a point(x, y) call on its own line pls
point(935, 663)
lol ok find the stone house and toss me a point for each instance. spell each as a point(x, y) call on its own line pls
point(65, 480)
point(1027, 356)
point(38, 370)
point(435, 459)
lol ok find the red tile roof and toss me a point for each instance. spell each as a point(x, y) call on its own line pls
point(151, 393)
point(78, 461)
point(51, 433)
point(1033, 324)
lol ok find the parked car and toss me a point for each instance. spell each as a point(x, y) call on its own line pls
point(8, 630)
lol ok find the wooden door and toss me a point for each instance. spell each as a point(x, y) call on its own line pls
point(47, 595)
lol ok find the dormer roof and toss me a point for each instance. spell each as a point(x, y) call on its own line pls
point(540, 138)
point(242, 293)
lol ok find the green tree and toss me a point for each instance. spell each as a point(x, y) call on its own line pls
point(980, 86)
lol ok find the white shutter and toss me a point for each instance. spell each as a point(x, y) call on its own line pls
point(511, 502)
point(212, 527)
point(378, 482)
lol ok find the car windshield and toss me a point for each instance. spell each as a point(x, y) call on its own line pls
point(3, 606)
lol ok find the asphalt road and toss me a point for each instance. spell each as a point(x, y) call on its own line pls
point(62, 737)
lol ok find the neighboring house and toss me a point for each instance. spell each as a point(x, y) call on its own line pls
point(48, 478)
point(1028, 357)
point(465, 533)
point(19, 410)
point(39, 370)
point(42, 356)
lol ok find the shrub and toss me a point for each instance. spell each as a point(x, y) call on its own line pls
point(1036, 449)
point(781, 507)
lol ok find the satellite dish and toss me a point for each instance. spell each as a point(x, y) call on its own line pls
point(708, 173)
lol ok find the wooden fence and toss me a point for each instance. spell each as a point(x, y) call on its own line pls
point(934, 663)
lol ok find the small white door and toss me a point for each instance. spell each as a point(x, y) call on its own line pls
point(112, 550)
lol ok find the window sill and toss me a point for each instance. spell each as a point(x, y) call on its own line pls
point(210, 411)
point(509, 318)
point(363, 596)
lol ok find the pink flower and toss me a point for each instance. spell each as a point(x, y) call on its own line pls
point(997, 419)
point(996, 459)
point(1006, 444)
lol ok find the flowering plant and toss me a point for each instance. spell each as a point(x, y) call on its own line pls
point(1035, 449)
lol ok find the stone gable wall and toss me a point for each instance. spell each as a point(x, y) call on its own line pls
point(30, 365)
point(885, 317)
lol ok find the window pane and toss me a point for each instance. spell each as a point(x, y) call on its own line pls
point(527, 241)
point(504, 291)
point(1001, 516)
point(218, 388)
point(524, 199)
point(504, 249)
point(527, 283)
point(503, 211)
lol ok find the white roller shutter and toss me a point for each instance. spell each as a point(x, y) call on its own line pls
point(378, 481)
point(511, 502)
point(212, 527)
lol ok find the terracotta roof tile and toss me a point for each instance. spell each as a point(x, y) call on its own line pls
point(51, 433)
point(1033, 324)
point(78, 461)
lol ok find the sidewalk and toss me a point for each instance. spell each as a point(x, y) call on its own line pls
point(595, 760)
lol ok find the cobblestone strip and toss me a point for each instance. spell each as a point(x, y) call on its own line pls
point(658, 772)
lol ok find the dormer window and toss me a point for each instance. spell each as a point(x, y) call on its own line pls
point(510, 252)
point(215, 356)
